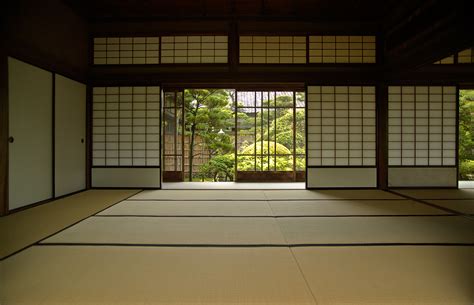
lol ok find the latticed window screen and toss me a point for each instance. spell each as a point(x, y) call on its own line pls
point(445, 61)
point(422, 126)
point(341, 126)
point(194, 49)
point(126, 50)
point(272, 49)
point(463, 57)
point(466, 56)
point(342, 49)
point(126, 126)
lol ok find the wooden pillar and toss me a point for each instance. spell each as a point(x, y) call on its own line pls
point(233, 46)
point(3, 129)
point(382, 135)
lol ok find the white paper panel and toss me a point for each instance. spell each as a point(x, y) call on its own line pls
point(341, 126)
point(422, 125)
point(341, 177)
point(30, 124)
point(70, 136)
point(342, 49)
point(272, 49)
point(126, 177)
point(422, 177)
point(194, 49)
point(126, 126)
point(126, 50)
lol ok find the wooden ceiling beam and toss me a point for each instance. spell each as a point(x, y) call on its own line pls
point(434, 33)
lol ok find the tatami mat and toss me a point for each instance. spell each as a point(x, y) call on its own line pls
point(462, 206)
point(172, 230)
point(351, 207)
point(190, 208)
point(389, 275)
point(439, 193)
point(200, 195)
point(146, 276)
point(328, 194)
point(21, 229)
point(353, 230)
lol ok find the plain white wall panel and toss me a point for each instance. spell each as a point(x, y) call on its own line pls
point(30, 91)
point(324, 177)
point(141, 177)
point(422, 177)
point(70, 136)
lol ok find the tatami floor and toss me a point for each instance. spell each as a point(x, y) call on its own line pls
point(242, 247)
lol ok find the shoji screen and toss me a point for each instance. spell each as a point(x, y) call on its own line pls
point(126, 50)
point(126, 137)
point(70, 136)
point(30, 97)
point(193, 49)
point(341, 136)
point(466, 56)
point(445, 61)
point(272, 49)
point(422, 136)
point(342, 49)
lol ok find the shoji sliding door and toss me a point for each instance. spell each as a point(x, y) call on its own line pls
point(70, 136)
point(126, 137)
point(341, 137)
point(422, 136)
point(30, 91)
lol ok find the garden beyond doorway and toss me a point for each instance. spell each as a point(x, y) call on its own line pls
point(223, 135)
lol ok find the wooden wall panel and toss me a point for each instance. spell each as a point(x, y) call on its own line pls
point(49, 35)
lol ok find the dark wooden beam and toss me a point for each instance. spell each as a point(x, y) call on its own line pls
point(214, 27)
point(327, 74)
point(430, 34)
point(221, 73)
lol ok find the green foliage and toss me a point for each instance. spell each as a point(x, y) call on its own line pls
point(266, 147)
point(268, 160)
point(282, 129)
point(209, 110)
point(206, 112)
point(219, 168)
point(466, 108)
point(466, 134)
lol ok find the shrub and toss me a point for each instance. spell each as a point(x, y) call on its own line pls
point(466, 170)
point(218, 168)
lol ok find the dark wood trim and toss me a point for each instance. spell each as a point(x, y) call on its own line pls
point(3, 130)
point(233, 47)
point(382, 135)
point(457, 136)
point(175, 176)
point(53, 134)
point(88, 148)
point(270, 176)
point(306, 102)
point(115, 166)
point(340, 166)
point(422, 166)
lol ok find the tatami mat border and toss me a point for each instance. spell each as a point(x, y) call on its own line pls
point(251, 245)
point(275, 216)
point(65, 228)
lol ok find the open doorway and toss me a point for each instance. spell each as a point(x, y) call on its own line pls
point(227, 135)
point(466, 138)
